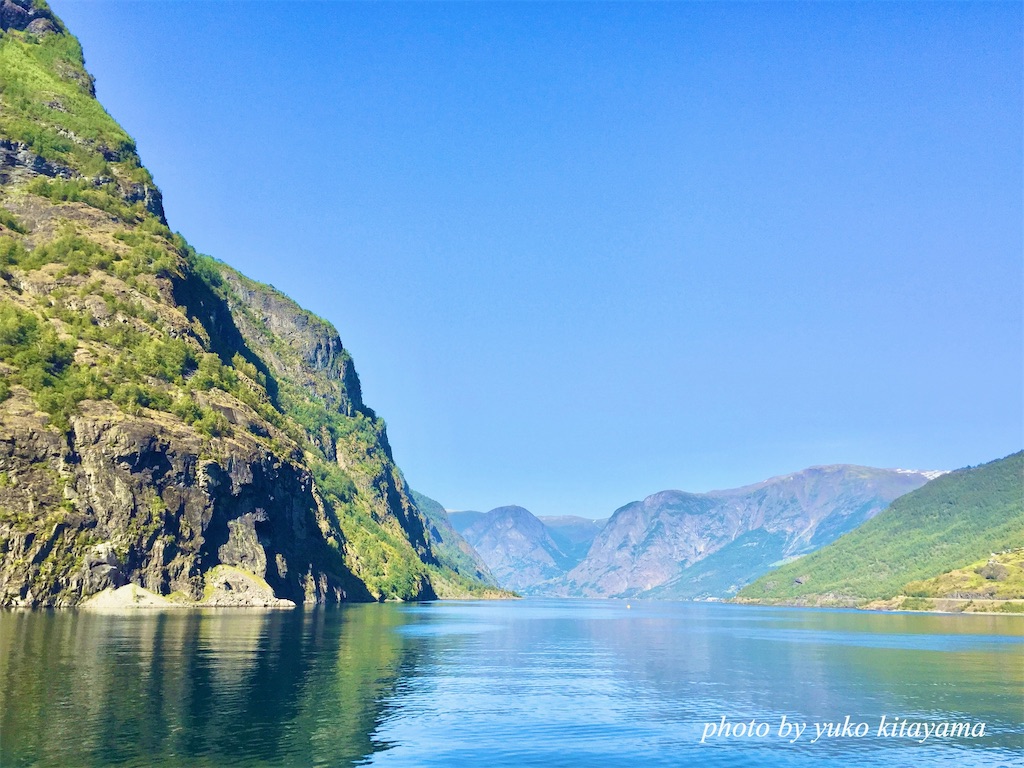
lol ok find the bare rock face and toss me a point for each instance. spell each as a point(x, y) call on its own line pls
point(27, 15)
point(228, 587)
point(131, 500)
point(18, 163)
point(101, 569)
point(147, 194)
point(317, 360)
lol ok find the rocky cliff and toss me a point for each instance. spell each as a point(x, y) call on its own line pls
point(163, 419)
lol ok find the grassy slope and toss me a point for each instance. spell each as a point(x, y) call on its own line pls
point(997, 577)
point(49, 105)
point(994, 584)
point(952, 521)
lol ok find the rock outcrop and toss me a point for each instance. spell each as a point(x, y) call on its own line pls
point(34, 18)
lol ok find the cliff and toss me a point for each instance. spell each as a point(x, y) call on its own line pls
point(164, 420)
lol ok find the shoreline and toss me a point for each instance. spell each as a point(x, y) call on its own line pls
point(132, 597)
point(898, 604)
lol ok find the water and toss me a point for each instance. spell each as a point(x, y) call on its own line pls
point(522, 683)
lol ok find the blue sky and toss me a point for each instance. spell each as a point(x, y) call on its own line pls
point(582, 253)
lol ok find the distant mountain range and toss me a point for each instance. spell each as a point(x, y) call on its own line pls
point(523, 550)
point(961, 521)
point(573, 535)
point(683, 545)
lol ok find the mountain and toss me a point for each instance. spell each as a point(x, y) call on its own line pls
point(572, 534)
point(695, 545)
point(516, 546)
point(448, 545)
point(165, 422)
point(953, 521)
point(522, 550)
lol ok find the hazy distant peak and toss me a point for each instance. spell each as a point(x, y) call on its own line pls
point(821, 471)
point(511, 509)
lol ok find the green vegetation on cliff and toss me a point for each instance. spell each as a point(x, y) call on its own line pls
point(160, 413)
point(50, 104)
point(949, 523)
point(454, 552)
point(1000, 576)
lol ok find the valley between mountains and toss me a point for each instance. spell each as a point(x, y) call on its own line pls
point(174, 433)
point(834, 535)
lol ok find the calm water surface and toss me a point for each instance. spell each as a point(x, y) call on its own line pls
point(525, 683)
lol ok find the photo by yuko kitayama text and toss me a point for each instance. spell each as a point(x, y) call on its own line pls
point(793, 731)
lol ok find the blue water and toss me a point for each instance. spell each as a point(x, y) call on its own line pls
point(506, 683)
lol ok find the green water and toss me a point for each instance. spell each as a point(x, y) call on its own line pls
point(521, 683)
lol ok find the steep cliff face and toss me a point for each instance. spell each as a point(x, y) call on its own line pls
point(162, 417)
point(144, 500)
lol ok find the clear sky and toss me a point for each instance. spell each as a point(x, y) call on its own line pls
point(583, 253)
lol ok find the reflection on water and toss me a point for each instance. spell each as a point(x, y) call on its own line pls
point(525, 683)
point(203, 688)
point(599, 684)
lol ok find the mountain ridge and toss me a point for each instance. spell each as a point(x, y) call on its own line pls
point(929, 474)
point(680, 545)
point(948, 524)
point(516, 546)
point(648, 544)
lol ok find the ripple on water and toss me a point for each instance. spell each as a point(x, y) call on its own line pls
point(509, 683)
